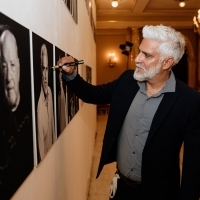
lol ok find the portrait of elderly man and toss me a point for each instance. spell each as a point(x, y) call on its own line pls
point(45, 115)
point(10, 70)
point(16, 139)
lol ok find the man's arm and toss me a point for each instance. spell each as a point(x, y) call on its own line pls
point(190, 184)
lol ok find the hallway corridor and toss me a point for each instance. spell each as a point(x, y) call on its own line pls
point(99, 188)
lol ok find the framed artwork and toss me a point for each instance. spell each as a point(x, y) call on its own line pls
point(71, 104)
point(72, 101)
point(16, 131)
point(43, 89)
point(93, 27)
point(72, 7)
point(75, 11)
point(61, 103)
point(88, 74)
point(90, 13)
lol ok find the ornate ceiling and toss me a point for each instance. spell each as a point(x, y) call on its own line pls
point(137, 13)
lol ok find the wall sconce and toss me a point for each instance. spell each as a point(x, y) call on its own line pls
point(111, 59)
point(196, 21)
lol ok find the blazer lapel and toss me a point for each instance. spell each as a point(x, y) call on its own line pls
point(162, 111)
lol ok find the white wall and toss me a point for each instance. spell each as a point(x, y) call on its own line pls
point(64, 172)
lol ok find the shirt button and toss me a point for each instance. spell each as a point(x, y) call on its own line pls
point(131, 169)
point(140, 117)
point(136, 134)
point(133, 152)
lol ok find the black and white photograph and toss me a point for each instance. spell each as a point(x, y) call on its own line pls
point(60, 96)
point(72, 7)
point(71, 104)
point(76, 99)
point(76, 104)
point(16, 131)
point(88, 74)
point(72, 99)
point(75, 11)
point(43, 86)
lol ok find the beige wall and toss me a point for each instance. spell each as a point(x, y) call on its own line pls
point(64, 173)
point(108, 41)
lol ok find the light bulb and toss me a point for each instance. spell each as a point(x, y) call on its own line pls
point(114, 4)
point(182, 4)
point(198, 17)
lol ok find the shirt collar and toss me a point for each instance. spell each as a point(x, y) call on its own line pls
point(169, 86)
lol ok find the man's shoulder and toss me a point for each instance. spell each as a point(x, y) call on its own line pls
point(186, 89)
point(127, 77)
point(127, 74)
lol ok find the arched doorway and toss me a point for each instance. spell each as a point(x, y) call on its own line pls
point(181, 69)
point(191, 64)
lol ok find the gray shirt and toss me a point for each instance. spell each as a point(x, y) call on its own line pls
point(135, 129)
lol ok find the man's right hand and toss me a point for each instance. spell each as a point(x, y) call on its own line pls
point(67, 69)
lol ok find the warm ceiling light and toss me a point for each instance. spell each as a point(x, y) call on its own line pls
point(114, 3)
point(196, 20)
point(182, 4)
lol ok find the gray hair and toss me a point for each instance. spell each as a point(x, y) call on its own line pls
point(172, 42)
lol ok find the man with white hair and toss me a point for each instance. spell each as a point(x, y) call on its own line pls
point(16, 148)
point(151, 115)
point(10, 70)
point(45, 116)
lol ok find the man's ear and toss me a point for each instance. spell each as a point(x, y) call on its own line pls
point(168, 63)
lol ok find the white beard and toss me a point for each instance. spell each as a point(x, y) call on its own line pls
point(147, 74)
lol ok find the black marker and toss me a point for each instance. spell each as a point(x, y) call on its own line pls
point(69, 64)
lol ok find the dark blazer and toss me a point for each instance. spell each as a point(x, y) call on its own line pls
point(177, 120)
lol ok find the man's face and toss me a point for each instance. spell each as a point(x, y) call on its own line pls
point(10, 70)
point(148, 61)
point(44, 69)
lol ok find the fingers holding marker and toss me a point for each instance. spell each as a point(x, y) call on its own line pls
point(66, 68)
point(66, 59)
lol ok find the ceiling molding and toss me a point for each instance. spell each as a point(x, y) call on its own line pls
point(142, 12)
